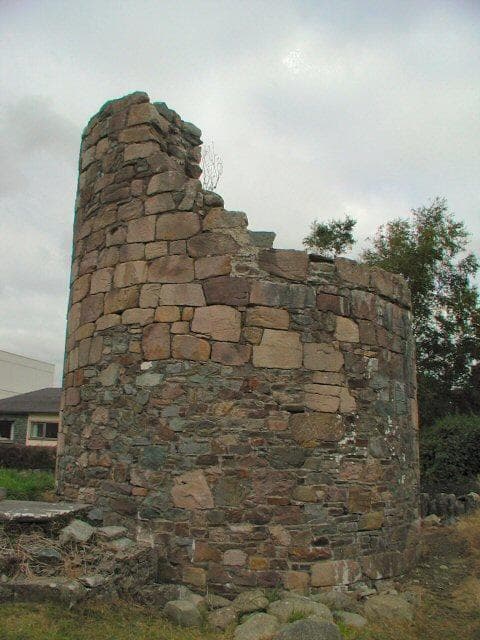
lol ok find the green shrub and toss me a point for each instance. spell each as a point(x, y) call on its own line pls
point(26, 485)
point(450, 453)
point(19, 456)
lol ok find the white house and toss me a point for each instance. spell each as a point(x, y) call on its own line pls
point(19, 374)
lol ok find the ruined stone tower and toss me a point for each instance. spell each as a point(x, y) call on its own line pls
point(249, 411)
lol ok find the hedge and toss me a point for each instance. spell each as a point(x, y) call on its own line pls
point(450, 453)
point(19, 456)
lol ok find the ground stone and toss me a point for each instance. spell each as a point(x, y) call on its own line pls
point(249, 601)
point(284, 609)
point(222, 618)
point(349, 619)
point(183, 612)
point(260, 626)
point(76, 531)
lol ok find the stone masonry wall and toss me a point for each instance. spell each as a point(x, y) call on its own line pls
point(249, 411)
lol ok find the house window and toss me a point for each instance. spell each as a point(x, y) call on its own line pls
point(43, 430)
point(6, 430)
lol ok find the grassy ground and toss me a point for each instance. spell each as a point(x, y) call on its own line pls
point(26, 485)
point(446, 584)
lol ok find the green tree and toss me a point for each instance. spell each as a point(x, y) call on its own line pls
point(332, 237)
point(429, 250)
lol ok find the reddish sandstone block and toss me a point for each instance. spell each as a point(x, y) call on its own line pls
point(150, 295)
point(139, 150)
point(159, 204)
point(212, 266)
point(101, 280)
point(289, 264)
point(80, 287)
point(211, 244)
point(195, 576)
point(231, 354)
point(218, 321)
point(155, 250)
point(105, 322)
point(171, 269)
point(190, 348)
point(227, 290)
point(141, 230)
point(298, 581)
point(335, 572)
point(129, 273)
point(91, 308)
point(310, 429)
point(156, 342)
point(137, 316)
point(278, 350)
point(191, 491)
point(322, 356)
point(72, 396)
point(167, 181)
point(121, 299)
point(346, 330)
point(167, 314)
point(131, 252)
point(177, 226)
point(188, 294)
point(268, 317)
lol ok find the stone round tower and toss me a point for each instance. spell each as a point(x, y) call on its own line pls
point(249, 412)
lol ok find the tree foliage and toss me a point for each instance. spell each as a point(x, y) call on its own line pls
point(331, 238)
point(429, 250)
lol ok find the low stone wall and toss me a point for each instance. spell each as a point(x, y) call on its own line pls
point(250, 412)
point(448, 504)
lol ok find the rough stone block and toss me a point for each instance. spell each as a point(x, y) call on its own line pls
point(171, 269)
point(150, 295)
point(105, 322)
point(91, 308)
point(218, 218)
point(101, 280)
point(167, 314)
point(231, 354)
point(322, 356)
point(156, 342)
point(81, 287)
point(335, 572)
point(139, 150)
point(227, 290)
point(190, 348)
point(278, 350)
point(121, 299)
point(212, 266)
point(292, 265)
point(177, 226)
point(167, 181)
point(141, 230)
point(268, 317)
point(190, 295)
point(219, 322)
point(159, 204)
point(156, 250)
point(311, 429)
point(191, 491)
point(137, 316)
point(346, 330)
point(211, 244)
point(130, 273)
point(290, 296)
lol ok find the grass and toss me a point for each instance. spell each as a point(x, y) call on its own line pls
point(26, 485)
point(102, 622)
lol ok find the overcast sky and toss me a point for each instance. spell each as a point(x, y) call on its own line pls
point(318, 108)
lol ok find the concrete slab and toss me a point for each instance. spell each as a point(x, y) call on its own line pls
point(36, 511)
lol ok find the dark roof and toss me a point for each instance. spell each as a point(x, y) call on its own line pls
point(40, 401)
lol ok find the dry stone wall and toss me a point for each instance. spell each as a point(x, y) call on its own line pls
point(248, 411)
